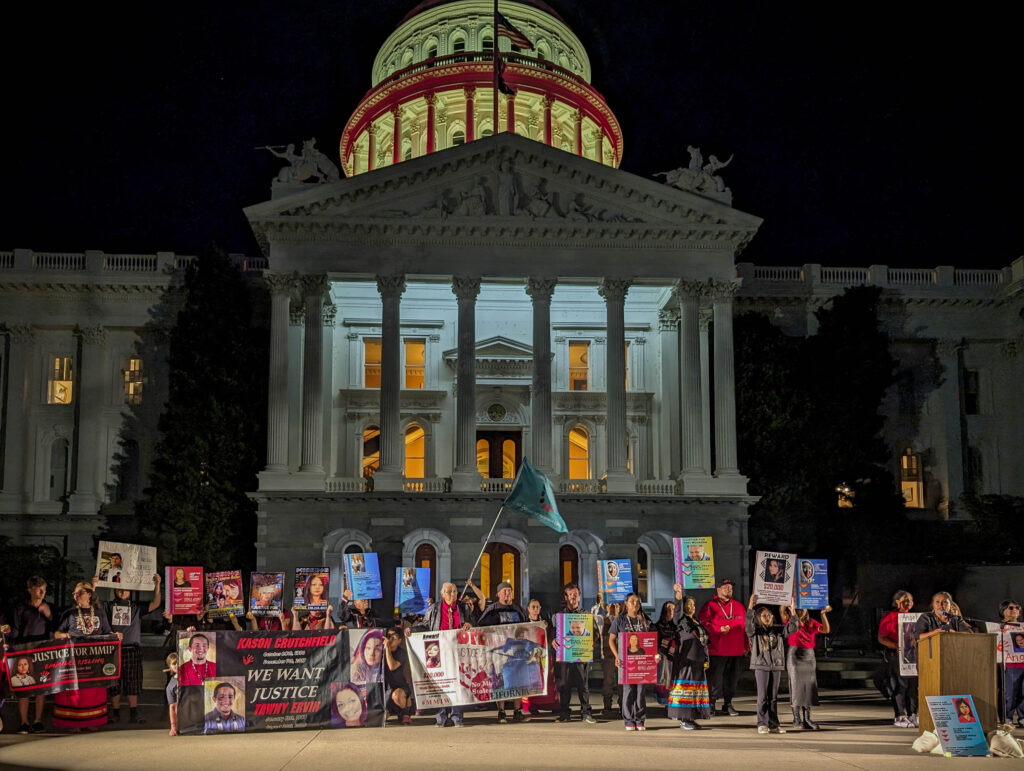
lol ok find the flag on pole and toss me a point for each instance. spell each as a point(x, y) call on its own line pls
point(508, 29)
point(504, 87)
point(532, 495)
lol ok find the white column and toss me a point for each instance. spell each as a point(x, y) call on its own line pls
point(668, 444)
point(726, 464)
point(389, 475)
point(281, 287)
point(314, 290)
point(949, 455)
point(90, 447)
point(18, 362)
point(618, 478)
point(466, 477)
point(693, 474)
point(540, 291)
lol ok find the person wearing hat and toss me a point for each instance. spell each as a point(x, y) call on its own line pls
point(724, 617)
point(504, 611)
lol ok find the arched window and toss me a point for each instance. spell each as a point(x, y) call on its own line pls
point(483, 457)
point(579, 453)
point(458, 44)
point(486, 132)
point(415, 452)
point(371, 450)
point(458, 138)
point(508, 459)
point(568, 565)
point(406, 58)
point(431, 51)
point(543, 51)
point(59, 469)
point(487, 43)
point(642, 572)
point(426, 557)
point(500, 562)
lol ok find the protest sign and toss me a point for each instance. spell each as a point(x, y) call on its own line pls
point(773, 578)
point(694, 562)
point(125, 566)
point(637, 651)
point(266, 594)
point(224, 594)
point(812, 584)
point(51, 666)
point(574, 637)
point(311, 588)
point(183, 590)
point(412, 590)
point(957, 725)
point(614, 579)
point(272, 681)
point(1009, 642)
point(474, 666)
point(907, 643)
point(362, 576)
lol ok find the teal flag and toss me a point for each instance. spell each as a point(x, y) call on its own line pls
point(532, 495)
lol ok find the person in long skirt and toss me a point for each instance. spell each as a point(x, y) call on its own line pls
point(83, 708)
point(688, 697)
point(666, 627)
point(802, 631)
point(631, 621)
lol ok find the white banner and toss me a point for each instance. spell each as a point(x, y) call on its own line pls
point(125, 566)
point(1009, 644)
point(773, 578)
point(908, 643)
point(475, 666)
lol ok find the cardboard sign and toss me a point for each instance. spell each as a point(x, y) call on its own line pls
point(125, 566)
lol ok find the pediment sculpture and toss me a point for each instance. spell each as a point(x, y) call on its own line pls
point(699, 177)
point(310, 163)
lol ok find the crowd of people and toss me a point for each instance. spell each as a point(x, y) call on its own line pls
point(701, 655)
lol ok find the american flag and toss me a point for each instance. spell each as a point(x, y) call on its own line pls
point(508, 29)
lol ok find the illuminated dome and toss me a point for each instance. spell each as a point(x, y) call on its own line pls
point(433, 87)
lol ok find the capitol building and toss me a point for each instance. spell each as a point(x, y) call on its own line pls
point(460, 288)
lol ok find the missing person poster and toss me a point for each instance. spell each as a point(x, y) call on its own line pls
point(362, 576)
point(311, 588)
point(957, 725)
point(907, 643)
point(266, 594)
point(51, 666)
point(224, 594)
point(773, 578)
point(1009, 641)
point(574, 637)
point(614, 579)
point(811, 583)
point(412, 590)
point(694, 562)
point(183, 590)
point(273, 681)
point(637, 652)
point(475, 666)
point(125, 566)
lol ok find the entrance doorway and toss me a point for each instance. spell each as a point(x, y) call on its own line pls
point(499, 453)
point(500, 562)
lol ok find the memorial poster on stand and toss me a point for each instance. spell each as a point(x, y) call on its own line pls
point(694, 562)
point(125, 566)
point(362, 576)
point(574, 637)
point(183, 590)
point(773, 578)
point(957, 725)
point(615, 579)
point(811, 583)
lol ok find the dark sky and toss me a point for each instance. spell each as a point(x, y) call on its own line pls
point(863, 133)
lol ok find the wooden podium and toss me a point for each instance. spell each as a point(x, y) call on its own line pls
point(951, 663)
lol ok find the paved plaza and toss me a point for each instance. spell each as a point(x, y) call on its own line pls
point(857, 733)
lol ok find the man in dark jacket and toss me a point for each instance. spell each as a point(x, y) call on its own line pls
point(447, 614)
point(504, 611)
point(30, 622)
point(573, 675)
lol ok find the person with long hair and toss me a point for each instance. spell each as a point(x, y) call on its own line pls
point(768, 660)
point(315, 591)
point(631, 621)
point(82, 708)
point(903, 688)
point(801, 664)
point(366, 663)
point(688, 697)
point(348, 706)
point(667, 643)
point(943, 617)
point(397, 680)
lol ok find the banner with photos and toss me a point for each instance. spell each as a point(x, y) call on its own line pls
point(125, 566)
point(239, 682)
point(475, 666)
point(1009, 641)
point(51, 666)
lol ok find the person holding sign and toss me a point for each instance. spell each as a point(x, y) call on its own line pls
point(443, 615)
point(32, 621)
point(688, 698)
point(629, 622)
point(1013, 671)
point(768, 660)
point(356, 614)
point(722, 617)
point(902, 687)
point(801, 663)
point(125, 616)
point(573, 676)
point(504, 611)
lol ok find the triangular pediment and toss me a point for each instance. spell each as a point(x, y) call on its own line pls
point(496, 349)
point(504, 190)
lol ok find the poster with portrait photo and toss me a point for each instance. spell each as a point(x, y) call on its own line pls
point(694, 560)
point(957, 725)
point(183, 590)
point(224, 705)
point(362, 576)
point(811, 583)
point(773, 577)
point(638, 653)
point(907, 643)
point(412, 590)
point(574, 640)
point(224, 595)
point(614, 579)
point(311, 588)
point(266, 593)
point(125, 566)
point(1009, 641)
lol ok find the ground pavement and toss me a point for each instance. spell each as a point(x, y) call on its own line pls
point(857, 733)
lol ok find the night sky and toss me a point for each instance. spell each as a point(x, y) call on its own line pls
point(863, 133)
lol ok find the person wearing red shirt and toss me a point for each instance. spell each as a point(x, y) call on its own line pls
point(723, 617)
point(902, 687)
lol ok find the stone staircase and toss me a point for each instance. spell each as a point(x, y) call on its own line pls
point(847, 671)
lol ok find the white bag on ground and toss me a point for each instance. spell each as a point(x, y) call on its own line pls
point(1001, 743)
point(926, 742)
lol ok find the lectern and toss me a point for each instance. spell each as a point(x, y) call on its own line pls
point(951, 663)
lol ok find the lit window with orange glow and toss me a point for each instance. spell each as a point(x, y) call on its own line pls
point(371, 450)
point(415, 362)
point(508, 459)
point(133, 382)
point(60, 385)
point(483, 457)
point(579, 367)
point(415, 452)
point(371, 362)
point(579, 453)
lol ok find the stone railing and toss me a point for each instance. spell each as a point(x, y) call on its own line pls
point(584, 486)
point(495, 485)
point(812, 276)
point(656, 487)
point(345, 485)
point(437, 485)
point(96, 262)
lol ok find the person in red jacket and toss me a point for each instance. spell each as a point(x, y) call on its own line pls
point(723, 617)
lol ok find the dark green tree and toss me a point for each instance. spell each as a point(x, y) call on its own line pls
point(211, 431)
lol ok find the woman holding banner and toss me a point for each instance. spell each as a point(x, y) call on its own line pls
point(632, 620)
point(83, 708)
point(1013, 672)
point(688, 698)
point(902, 687)
point(802, 631)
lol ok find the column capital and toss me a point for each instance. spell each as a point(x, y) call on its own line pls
point(297, 315)
point(540, 288)
point(577, 116)
point(315, 286)
point(722, 291)
point(330, 312)
point(705, 315)
point(684, 289)
point(395, 110)
point(431, 98)
point(668, 320)
point(465, 287)
point(391, 286)
point(614, 289)
point(548, 101)
point(96, 335)
point(280, 283)
point(20, 333)
point(469, 91)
